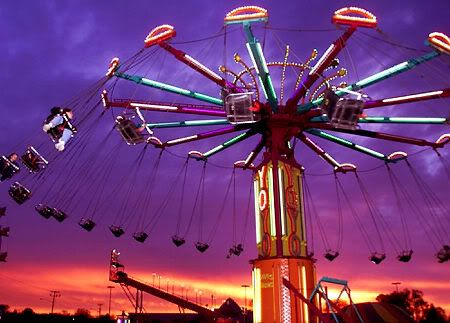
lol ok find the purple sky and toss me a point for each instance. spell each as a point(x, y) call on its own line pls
point(51, 51)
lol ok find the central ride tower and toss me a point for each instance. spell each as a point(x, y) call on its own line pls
point(281, 238)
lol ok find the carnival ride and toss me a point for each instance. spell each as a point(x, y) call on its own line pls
point(275, 120)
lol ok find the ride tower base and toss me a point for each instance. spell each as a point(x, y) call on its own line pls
point(282, 243)
point(274, 302)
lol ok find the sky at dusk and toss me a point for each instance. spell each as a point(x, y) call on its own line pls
point(53, 52)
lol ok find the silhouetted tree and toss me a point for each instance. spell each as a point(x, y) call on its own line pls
point(435, 315)
point(413, 303)
point(83, 312)
point(27, 312)
point(401, 299)
point(340, 304)
point(4, 308)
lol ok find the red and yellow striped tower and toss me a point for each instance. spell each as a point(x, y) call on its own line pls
point(281, 242)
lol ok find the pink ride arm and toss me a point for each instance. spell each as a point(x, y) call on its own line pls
point(203, 135)
point(320, 66)
point(197, 66)
point(444, 93)
point(318, 150)
point(165, 107)
point(380, 135)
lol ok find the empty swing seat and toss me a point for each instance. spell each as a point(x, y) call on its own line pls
point(239, 108)
point(4, 232)
point(178, 241)
point(377, 258)
point(140, 236)
point(44, 210)
point(59, 215)
point(116, 230)
point(87, 224)
point(346, 113)
point(331, 255)
point(201, 246)
point(405, 256)
point(19, 193)
point(129, 132)
point(33, 160)
point(443, 254)
point(7, 168)
point(3, 256)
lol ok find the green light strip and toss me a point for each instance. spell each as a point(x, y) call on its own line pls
point(189, 123)
point(170, 88)
point(347, 143)
point(229, 143)
point(258, 59)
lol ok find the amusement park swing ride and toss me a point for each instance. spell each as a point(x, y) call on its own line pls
point(250, 107)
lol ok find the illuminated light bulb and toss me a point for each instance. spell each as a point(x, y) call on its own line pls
point(196, 154)
point(364, 18)
point(342, 72)
point(112, 67)
point(345, 167)
point(237, 58)
point(104, 96)
point(444, 139)
point(245, 13)
point(222, 69)
point(439, 41)
point(242, 163)
point(155, 141)
point(397, 155)
point(159, 34)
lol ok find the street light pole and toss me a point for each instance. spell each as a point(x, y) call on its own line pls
point(100, 309)
point(245, 301)
point(110, 293)
point(396, 285)
point(54, 294)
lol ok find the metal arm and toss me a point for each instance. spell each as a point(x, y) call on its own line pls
point(169, 88)
point(257, 56)
point(378, 77)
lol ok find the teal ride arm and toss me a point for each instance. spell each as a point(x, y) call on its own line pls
point(378, 77)
point(257, 56)
point(189, 123)
point(169, 88)
point(229, 143)
point(347, 143)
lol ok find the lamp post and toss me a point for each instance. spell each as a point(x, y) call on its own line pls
point(54, 294)
point(109, 304)
point(245, 301)
point(396, 285)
